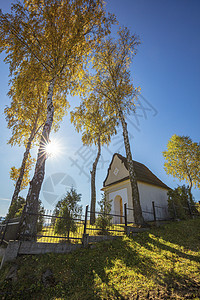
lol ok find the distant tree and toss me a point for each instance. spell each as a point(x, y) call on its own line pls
point(179, 201)
point(182, 160)
point(54, 38)
point(68, 209)
point(97, 127)
point(112, 84)
point(104, 220)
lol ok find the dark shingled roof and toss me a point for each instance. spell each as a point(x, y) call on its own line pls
point(142, 173)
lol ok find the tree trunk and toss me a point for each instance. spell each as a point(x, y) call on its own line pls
point(191, 200)
point(23, 165)
point(190, 193)
point(137, 211)
point(29, 225)
point(93, 187)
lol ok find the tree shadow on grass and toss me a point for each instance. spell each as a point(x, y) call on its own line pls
point(169, 281)
point(123, 269)
point(151, 243)
point(184, 234)
point(117, 270)
point(95, 274)
point(181, 285)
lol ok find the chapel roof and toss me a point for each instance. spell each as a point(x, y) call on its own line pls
point(143, 174)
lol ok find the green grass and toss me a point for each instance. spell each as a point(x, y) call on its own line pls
point(163, 263)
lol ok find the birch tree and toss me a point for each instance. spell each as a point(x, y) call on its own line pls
point(54, 37)
point(25, 117)
point(112, 82)
point(96, 127)
point(182, 160)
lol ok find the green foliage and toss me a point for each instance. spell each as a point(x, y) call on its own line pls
point(182, 159)
point(67, 209)
point(178, 200)
point(16, 209)
point(161, 264)
point(104, 220)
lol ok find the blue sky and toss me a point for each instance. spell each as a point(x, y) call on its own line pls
point(166, 67)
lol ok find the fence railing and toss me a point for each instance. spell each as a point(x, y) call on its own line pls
point(156, 213)
point(105, 223)
point(56, 229)
point(114, 224)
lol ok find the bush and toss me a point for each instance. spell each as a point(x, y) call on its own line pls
point(103, 220)
point(179, 200)
point(67, 209)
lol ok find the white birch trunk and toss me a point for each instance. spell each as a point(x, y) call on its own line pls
point(137, 211)
point(29, 224)
point(93, 184)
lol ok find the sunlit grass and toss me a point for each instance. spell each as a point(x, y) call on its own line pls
point(48, 234)
point(163, 263)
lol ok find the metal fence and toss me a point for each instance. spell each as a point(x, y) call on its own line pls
point(165, 213)
point(156, 213)
point(56, 229)
point(104, 223)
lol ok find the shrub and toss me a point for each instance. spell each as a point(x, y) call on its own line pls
point(104, 220)
point(67, 210)
point(179, 200)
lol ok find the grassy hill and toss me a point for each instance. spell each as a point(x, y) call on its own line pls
point(163, 263)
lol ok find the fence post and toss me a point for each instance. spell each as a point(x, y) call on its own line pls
point(125, 214)
point(125, 217)
point(85, 224)
point(154, 211)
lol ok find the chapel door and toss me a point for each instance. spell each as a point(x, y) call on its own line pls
point(118, 210)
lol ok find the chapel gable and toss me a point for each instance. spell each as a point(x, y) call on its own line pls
point(117, 170)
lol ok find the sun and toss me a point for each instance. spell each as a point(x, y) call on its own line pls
point(52, 149)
